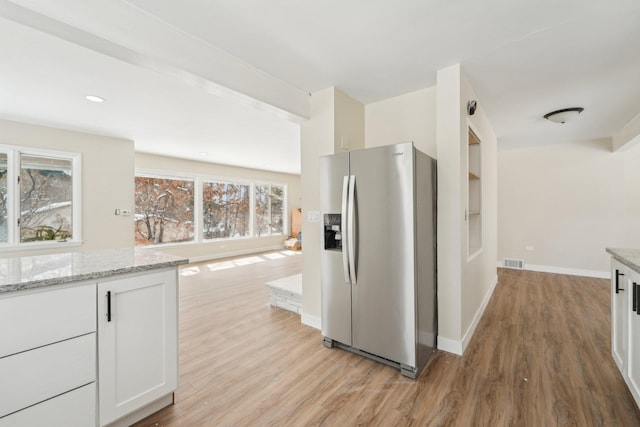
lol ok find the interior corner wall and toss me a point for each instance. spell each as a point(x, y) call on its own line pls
point(450, 208)
point(335, 117)
point(406, 118)
point(317, 139)
point(567, 202)
point(222, 248)
point(465, 283)
point(107, 181)
point(349, 123)
point(479, 273)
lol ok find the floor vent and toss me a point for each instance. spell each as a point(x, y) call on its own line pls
point(513, 263)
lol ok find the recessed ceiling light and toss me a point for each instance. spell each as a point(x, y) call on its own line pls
point(203, 153)
point(94, 98)
point(564, 115)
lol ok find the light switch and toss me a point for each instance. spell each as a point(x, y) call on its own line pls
point(313, 216)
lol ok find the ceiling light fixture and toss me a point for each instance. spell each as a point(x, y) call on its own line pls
point(94, 98)
point(203, 153)
point(564, 115)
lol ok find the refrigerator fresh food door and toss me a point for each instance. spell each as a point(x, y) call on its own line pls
point(335, 279)
point(384, 294)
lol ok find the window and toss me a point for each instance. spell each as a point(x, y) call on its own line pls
point(39, 196)
point(195, 209)
point(164, 210)
point(4, 220)
point(46, 195)
point(269, 209)
point(225, 210)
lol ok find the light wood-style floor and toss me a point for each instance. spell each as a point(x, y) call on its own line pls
point(540, 357)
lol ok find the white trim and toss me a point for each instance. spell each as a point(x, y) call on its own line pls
point(449, 345)
point(309, 320)
point(476, 319)
point(564, 270)
point(458, 347)
point(232, 254)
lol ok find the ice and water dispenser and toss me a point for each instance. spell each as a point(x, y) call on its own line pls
point(332, 232)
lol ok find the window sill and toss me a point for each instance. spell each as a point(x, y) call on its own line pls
point(39, 246)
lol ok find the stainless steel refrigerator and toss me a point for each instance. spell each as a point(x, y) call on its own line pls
point(378, 259)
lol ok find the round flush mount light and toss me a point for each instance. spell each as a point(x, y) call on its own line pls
point(203, 153)
point(564, 115)
point(94, 98)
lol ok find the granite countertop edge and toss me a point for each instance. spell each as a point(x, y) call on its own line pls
point(98, 273)
point(628, 257)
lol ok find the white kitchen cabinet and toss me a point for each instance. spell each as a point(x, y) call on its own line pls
point(619, 313)
point(632, 376)
point(625, 316)
point(137, 342)
point(47, 350)
point(76, 408)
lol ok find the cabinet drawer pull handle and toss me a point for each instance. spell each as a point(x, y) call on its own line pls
point(108, 306)
point(618, 274)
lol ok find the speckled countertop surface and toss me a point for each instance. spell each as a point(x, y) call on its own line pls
point(32, 272)
point(629, 257)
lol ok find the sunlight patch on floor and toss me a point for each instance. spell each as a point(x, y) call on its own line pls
point(189, 271)
point(291, 253)
point(224, 265)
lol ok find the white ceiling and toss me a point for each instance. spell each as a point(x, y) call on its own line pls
point(155, 62)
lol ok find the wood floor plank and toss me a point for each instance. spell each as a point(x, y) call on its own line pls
point(539, 357)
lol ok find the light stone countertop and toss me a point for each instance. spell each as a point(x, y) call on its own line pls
point(629, 257)
point(31, 272)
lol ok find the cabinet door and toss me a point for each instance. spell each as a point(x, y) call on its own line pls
point(620, 290)
point(633, 310)
point(137, 342)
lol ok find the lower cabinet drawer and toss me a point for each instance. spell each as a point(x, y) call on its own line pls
point(34, 376)
point(76, 408)
point(46, 317)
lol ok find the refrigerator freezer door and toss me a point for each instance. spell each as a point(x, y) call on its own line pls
point(384, 296)
point(336, 289)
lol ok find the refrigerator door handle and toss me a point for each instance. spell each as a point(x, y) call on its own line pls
point(351, 228)
point(343, 229)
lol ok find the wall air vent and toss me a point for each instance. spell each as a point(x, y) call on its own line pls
point(513, 263)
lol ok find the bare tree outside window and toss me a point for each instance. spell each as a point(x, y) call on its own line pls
point(164, 210)
point(226, 210)
point(46, 194)
point(269, 199)
point(4, 231)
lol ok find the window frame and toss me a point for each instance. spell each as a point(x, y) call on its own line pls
point(208, 180)
point(146, 173)
point(14, 154)
point(285, 207)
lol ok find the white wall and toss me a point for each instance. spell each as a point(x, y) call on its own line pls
point(209, 250)
point(569, 201)
point(405, 118)
point(107, 181)
point(464, 284)
point(479, 275)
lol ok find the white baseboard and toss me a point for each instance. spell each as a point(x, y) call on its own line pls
point(476, 319)
point(219, 255)
point(310, 320)
point(564, 270)
point(450, 346)
point(458, 347)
